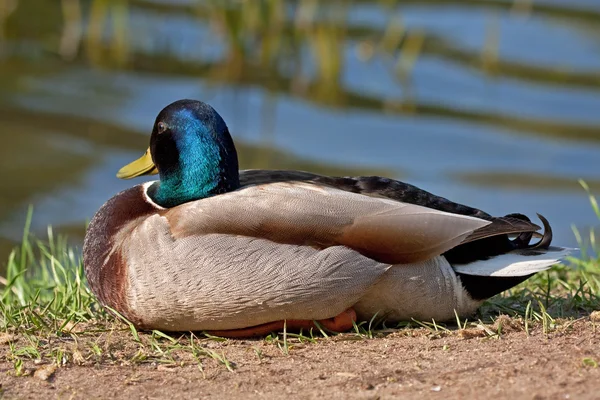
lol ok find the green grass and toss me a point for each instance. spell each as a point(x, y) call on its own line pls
point(48, 314)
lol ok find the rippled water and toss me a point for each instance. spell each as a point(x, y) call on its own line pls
point(487, 102)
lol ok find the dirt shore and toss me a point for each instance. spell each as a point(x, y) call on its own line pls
point(415, 363)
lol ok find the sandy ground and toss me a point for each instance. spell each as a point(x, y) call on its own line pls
point(413, 363)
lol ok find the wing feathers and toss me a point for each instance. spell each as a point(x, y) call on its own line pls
point(408, 234)
point(503, 225)
point(297, 213)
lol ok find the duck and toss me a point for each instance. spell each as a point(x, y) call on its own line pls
point(208, 247)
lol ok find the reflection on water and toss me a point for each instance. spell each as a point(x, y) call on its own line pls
point(489, 102)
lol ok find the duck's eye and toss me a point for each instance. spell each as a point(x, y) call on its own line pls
point(161, 127)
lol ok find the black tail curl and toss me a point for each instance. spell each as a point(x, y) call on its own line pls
point(484, 287)
point(495, 239)
point(523, 241)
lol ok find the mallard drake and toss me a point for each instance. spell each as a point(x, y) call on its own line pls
point(208, 247)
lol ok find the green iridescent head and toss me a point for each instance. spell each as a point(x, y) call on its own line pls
point(193, 152)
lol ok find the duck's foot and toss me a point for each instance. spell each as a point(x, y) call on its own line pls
point(339, 323)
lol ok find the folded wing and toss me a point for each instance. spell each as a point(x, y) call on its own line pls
point(302, 213)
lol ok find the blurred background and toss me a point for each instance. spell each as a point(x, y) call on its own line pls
point(493, 103)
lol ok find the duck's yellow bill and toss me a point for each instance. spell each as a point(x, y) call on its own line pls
point(141, 166)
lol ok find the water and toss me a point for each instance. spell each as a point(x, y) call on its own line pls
point(488, 103)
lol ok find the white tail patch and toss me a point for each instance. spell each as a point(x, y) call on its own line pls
point(518, 263)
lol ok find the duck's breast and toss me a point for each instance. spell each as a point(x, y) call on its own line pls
point(105, 267)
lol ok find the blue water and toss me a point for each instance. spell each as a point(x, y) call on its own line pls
point(429, 151)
